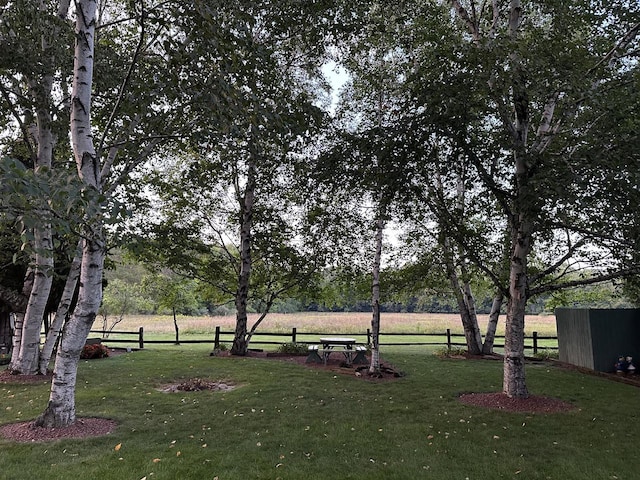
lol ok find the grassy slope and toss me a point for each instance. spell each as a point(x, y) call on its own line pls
point(291, 422)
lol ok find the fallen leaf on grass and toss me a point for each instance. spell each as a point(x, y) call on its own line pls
point(117, 447)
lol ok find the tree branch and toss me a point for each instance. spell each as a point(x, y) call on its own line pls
point(126, 80)
point(623, 273)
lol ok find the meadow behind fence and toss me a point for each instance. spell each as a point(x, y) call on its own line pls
point(305, 327)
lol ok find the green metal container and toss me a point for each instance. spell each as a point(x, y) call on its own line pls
point(595, 338)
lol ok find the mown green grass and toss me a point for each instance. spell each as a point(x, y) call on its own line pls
point(290, 421)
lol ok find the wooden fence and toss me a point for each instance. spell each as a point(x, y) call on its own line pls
point(444, 339)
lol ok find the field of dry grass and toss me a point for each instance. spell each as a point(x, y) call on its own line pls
point(325, 322)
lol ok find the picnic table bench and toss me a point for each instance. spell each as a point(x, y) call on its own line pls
point(346, 346)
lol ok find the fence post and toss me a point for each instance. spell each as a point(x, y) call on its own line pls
point(535, 342)
point(368, 336)
point(449, 339)
point(216, 339)
point(294, 332)
point(141, 338)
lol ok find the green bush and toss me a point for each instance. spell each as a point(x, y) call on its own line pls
point(293, 348)
point(444, 352)
point(546, 354)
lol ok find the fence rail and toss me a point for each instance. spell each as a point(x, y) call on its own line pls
point(532, 342)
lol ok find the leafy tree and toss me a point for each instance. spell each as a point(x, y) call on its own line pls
point(509, 98)
point(112, 132)
point(30, 70)
point(177, 294)
point(543, 68)
point(228, 201)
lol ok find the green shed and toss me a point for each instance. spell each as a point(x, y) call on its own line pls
point(595, 338)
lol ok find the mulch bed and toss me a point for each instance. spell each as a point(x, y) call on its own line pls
point(8, 377)
point(334, 364)
point(83, 428)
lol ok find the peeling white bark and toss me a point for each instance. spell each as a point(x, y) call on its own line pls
point(61, 313)
point(374, 366)
point(60, 410)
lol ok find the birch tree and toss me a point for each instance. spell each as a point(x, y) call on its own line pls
point(511, 90)
point(36, 113)
point(248, 142)
point(534, 140)
point(60, 410)
point(126, 110)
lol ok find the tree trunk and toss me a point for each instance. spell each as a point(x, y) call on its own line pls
point(60, 411)
point(40, 89)
point(374, 367)
point(472, 329)
point(466, 304)
point(494, 315)
point(17, 337)
point(29, 350)
point(240, 340)
point(175, 326)
point(514, 382)
point(61, 313)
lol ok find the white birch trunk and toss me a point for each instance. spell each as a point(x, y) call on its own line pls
point(61, 313)
point(514, 381)
point(27, 359)
point(374, 366)
point(40, 90)
point(60, 410)
point(29, 348)
point(472, 326)
point(465, 301)
point(240, 340)
point(492, 325)
point(17, 338)
point(19, 309)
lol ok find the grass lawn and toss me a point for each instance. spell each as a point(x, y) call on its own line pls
point(290, 421)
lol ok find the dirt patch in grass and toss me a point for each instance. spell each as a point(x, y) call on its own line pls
point(387, 371)
point(197, 385)
point(500, 401)
point(7, 377)
point(531, 404)
point(82, 428)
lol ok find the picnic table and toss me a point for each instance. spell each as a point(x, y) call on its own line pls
point(345, 345)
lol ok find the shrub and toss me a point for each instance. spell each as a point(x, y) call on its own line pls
point(97, 350)
point(444, 352)
point(293, 348)
point(546, 354)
